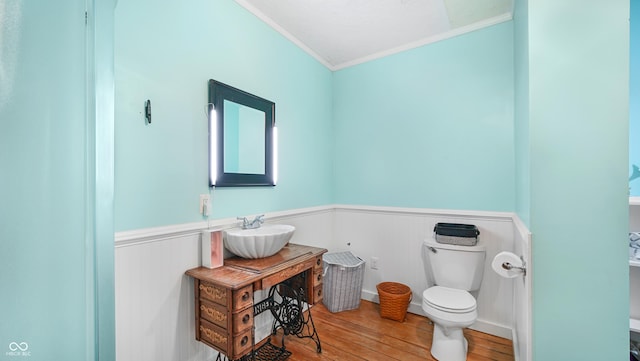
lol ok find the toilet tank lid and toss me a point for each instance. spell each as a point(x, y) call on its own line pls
point(430, 242)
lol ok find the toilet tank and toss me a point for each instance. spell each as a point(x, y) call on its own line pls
point(454, 266)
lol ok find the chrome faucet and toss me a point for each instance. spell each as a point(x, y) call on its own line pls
point(246, 224)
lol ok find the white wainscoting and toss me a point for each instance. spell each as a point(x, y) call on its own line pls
point(154, 299)
point(522, 295)
point(395, 236)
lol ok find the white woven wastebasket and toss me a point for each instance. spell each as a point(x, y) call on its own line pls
point(342, 281)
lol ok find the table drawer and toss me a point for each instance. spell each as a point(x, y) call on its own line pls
point(241, 344)
point(214, 313)
point(219, 339)
point(242, 298)
point(317, 266)
point(317, 294)
point(214, 336)
point(317, 278)
point(213, 293)
point(242, 320)
point(287, 273)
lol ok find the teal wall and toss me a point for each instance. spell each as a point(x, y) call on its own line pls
point(56, 148)
point(578, 121)
point(430, 127)
point(167, 54)
point(56, 259)
point(100, 112)
point(634, 99)
point(521, 103)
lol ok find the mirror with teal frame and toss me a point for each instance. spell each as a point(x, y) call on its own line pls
point(241, 138)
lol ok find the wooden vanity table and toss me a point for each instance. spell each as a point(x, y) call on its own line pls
point(224, 296)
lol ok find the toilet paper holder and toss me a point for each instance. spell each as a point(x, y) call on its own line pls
point(508, 266)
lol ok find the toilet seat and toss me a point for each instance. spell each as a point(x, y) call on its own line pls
point(449, 299)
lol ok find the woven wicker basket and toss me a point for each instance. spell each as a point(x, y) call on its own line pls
point(394, 300)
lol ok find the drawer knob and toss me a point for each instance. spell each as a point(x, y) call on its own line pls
point(319, 277)
point(318, 261)
point(244, 341)
point(245, 319)
point(245, 296)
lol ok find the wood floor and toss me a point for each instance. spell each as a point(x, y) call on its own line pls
point(363, 335)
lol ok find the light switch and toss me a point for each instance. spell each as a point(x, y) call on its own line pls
point(205, 204)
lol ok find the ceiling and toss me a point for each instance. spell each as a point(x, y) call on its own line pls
point(342, 33)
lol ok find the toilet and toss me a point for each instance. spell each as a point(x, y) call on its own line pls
point(452, 272)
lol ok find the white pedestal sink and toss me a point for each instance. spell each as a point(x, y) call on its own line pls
point(258, 242)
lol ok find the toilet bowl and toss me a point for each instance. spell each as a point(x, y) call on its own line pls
point(452, 271)
point(451, 310)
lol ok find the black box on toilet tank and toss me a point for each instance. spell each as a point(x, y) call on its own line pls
point(456, 233)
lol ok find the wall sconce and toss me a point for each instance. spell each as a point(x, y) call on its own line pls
point(213, 146)
point(275, 154)
point(147, 111)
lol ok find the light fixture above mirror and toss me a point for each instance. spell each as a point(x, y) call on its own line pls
point(242, 138)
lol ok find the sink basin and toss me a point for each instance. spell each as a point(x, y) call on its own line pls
point(259, 242)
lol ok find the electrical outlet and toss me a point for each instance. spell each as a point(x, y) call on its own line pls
point(374, 262)
point(205, 204)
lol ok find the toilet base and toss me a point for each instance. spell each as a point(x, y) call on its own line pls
point(448, 347)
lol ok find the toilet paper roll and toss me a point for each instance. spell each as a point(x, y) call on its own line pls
point(507, 258)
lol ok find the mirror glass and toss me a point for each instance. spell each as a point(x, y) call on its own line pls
point(244, 139)
point(241, 145)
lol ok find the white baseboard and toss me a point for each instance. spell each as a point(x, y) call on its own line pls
point(493, 329)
